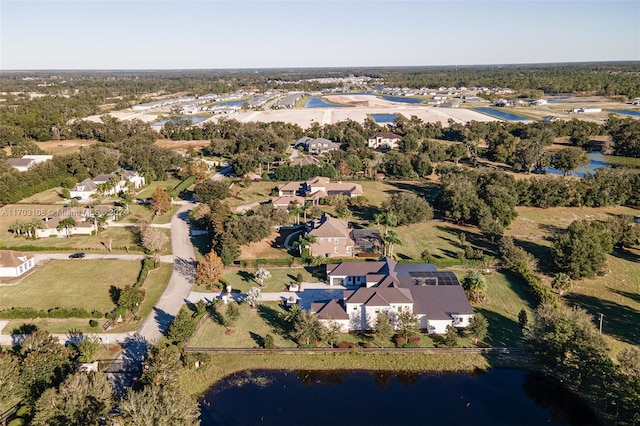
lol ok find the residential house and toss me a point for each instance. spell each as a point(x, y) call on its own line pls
point(287, 201)
point(332, 237)
point(305, 160)
point(14, 263)
point(316, 189)
point(107, 184)
point(384, 141)
point(317, 145)
point(503, 103)
point(86, 221)
point(27, 161)
point(436, 298)
point(332, 311)
point(539, 102)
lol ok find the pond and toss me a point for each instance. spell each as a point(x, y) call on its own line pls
point(502, 114)
point(497, 397)
point(384, 118)
point(231, 103)
point(316, 102)
point(193, 119)
point(630, 112)
point(596, 161)
point(402, 99)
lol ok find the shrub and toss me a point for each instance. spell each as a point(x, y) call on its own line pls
point(345, 345)
point(415, 340)
point(93, 323)
point(365, 344)
point(23, 313)
point(400, 341)
point(147, 265)
point(268, 342)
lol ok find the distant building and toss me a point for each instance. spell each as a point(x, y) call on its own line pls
point(14, 263)
point(27, 161)
point(586, 110)
point(539, 102)
point(317, 145)
point(384, 141)
point(316, 189)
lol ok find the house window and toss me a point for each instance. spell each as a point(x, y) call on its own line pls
point(335, 241)
point(355, 308)
point(348, 249)
point(336, 249)
point(322, 240)
point(377, 310)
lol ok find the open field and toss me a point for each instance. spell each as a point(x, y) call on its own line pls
point(182, 146)
point(71, 284)
point(264, 249)
point(50, 196)
point(218, 366)
point(249, 329)
point(167, 185)
point(65, 147)
point(141, 213)
point(155, 284)
point(242, 279)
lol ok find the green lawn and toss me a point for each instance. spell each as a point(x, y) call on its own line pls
point(48, 196)
point(242, 279)
point(155, 285)
point(142, 213)
point(249, 329)
point(167, 185)
point(71, 284)
point(256, 191)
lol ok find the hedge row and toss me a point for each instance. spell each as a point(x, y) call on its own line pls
point(28, 313)
point(71, 249)
point(263, 262)
point(147, 265)
point(186, 183)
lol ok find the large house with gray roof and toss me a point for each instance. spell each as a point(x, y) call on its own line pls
point(317, 145)
point(436, 298)
point(314, 190)
point(334, 238)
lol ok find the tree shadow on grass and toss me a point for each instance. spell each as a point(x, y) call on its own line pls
point(633, 296)
point(619, 321)
point(163, 319)
point(503, 332)
point(257, 338)
point(317, 272)
point(275, 320)
point(246, 276)
point(625, 254)
point(114, 294)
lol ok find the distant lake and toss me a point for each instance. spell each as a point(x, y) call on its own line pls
point(384, 118)
point(596, 161)
point(502, 114)
point(193, 119)
point(625, 112)
point(402, 99)
point(496, 398)
point(317, 102)
point(231, 103)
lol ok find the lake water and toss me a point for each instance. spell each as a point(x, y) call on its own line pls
point(502, 114)
point(497, 397)
point(625, 112)
point(596, 161)
point(194, 119)
point(317, 102)
point(402, 99)
point(231, 103)
point(384, 118)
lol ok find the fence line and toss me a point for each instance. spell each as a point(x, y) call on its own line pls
point(310, 351)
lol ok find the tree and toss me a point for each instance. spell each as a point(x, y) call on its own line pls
point(624, 231)
point(159, 406)
point(568, 159)
point(130, 298)
point(232, 313)
point(160, 367)
point(383, 328)
point(390, 239)
point(582, 250)
point(426, 256)
point(253, 297)
point(81, 400)
point(292, 314)
point(331, 332)
point(475, 286)
point(479, 327)
point(87, 348)
point(209, 190)
point(407, 208)
point(407, 324)
point(10, 384)
point(523, 318)
point(160, 201)
point(567, 341)
point(66, 223)
point(561, 282)
point(261, 274)
point(182, 327)
point(153, 239)
point(209, 269)
point(307, 328)
point(451, 337)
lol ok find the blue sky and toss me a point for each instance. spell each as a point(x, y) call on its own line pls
point(167, 34)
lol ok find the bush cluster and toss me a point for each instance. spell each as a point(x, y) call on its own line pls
point(24, 313)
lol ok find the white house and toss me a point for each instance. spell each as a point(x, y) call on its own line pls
point(86, 221)
point(27, 161)
point(436, 298)
point(118, 181)
point(539, 102)
point(14, 264)
point(84, 189)
point(384, 141)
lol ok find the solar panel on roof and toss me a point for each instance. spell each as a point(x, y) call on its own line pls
point(433, 278)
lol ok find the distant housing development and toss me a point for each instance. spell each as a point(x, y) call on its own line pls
point(370, 288)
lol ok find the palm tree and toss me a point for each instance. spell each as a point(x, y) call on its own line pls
point(32, 225)
point(391, 238)
point(304, 242)
point(65, 224)
point(378, 218)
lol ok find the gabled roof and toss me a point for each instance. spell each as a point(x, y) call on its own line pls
point(379, 296)
point(104, 177)
point(287, 200)
point(328, 226)
point(19, 162)
point(318, 180)
point(88, 184)
point(440, 302)
point(305, 160)
point(291, 186)
point(11, 259)
point(329, 310)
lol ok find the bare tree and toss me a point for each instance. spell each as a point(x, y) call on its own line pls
point(153, 239)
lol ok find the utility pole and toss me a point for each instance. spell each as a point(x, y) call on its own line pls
point(601, 316)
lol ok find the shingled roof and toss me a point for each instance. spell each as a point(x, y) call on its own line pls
point(11, 259)
point(329, 310)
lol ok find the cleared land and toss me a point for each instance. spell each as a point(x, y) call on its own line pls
point(71, 284)
point(65, 147)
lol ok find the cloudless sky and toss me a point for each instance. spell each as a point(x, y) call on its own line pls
point(207, 34)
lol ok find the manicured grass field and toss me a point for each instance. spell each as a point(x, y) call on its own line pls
point(256, 191)
point(167, 185)
point(267, 248)
point(49, 196)
point(242, 279)
point(249, 329)
point(218, 366)
point(71, 284)
point(139, 213)
point(154, 286)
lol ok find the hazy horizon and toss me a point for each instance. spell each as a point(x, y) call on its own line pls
point(230, 35)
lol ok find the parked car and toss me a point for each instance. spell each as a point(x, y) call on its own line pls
point(78, 255)
point(77, 198)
